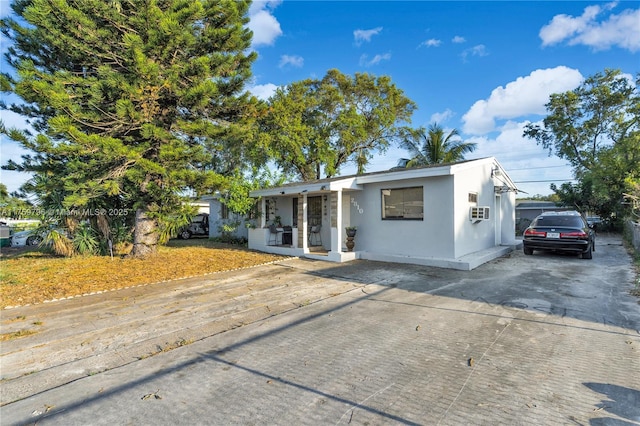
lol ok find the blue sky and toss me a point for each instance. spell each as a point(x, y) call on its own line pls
point(484, 68)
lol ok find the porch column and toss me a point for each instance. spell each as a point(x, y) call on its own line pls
point(302, 222)
point(336, 220)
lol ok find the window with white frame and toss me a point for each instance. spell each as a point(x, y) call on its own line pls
point(403, 203)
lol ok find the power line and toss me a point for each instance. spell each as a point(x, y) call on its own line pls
point(536, 168)
point(542, 181)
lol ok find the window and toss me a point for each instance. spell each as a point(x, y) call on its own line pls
point(224, 211)
point(559, 221)
point(403, 203)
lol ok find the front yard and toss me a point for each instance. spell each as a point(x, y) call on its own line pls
point(34, 276)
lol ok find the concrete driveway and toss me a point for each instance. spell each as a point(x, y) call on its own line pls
point(543, 339)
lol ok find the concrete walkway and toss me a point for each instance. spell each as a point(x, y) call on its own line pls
point(541, 339)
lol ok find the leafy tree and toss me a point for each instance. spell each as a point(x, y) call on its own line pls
point(13, 207)
point(433, 147)
point(314, 127)
point(236, 197)
point(132, 100)
point(632, 198)
point(539, 197)
point(596, 127)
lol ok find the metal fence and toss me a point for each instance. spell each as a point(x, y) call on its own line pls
point(634, 231)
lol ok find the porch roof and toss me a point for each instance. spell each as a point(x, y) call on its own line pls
point(314, 186)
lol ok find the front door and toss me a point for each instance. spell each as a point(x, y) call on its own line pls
point(314, 220)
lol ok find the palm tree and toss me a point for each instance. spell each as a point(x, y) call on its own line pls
point(432, 147)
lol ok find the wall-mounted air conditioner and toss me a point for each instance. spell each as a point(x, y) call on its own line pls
point(477, 214)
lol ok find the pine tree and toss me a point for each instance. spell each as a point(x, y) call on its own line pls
point(128, 98)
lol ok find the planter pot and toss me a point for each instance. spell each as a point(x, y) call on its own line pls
point(350, 243)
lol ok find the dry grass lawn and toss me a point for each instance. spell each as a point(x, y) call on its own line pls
point(33, 276)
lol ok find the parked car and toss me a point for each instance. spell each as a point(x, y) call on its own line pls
point(566, 231)
point(594, 222)
point(199, 226)
point(26, 238)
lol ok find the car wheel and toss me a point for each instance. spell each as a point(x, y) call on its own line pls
point(587, 254)
point(34, 240)
point(528, 251)
point(185, 235)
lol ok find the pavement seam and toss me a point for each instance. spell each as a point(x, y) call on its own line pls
point(471, 373)
point(93, 293)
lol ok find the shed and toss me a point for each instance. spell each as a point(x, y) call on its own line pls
point(527, 210)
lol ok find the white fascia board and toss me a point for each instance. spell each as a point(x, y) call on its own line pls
point(308, 187)
point(411, 173)
point(268, 192)
point(349, 183)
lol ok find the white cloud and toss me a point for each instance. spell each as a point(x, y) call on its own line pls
point(440, 117)
point(364, 59)
point(519, 98)
point(365, 35)
point(293, 60)
point(479, 50)
point(264, 25)
point(526, 163)
point(523, 159)
point(458, 39)
point(432, 42)
point(263, 91)
point(622, 30)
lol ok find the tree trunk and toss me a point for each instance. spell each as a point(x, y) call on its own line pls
point(145, 235)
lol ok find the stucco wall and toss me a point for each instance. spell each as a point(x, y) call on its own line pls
point(471, 237)
point(216, 222)
point(430, 237)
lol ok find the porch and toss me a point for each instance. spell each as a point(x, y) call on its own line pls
point(307, 222)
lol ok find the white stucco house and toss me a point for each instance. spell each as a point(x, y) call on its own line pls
point(456, 216)
point(220, 217)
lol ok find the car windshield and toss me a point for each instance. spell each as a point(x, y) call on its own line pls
point(559, 221)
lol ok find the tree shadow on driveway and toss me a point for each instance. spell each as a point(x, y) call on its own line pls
point(622, 402)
